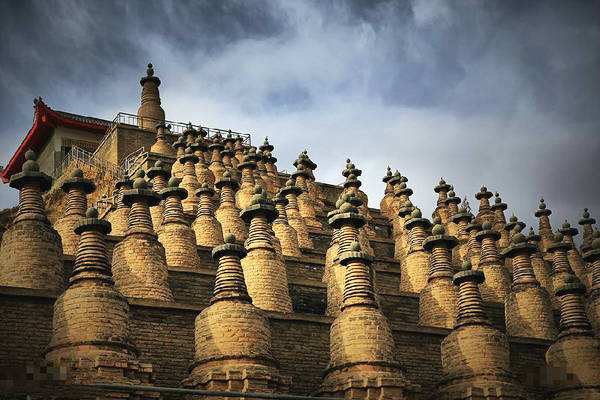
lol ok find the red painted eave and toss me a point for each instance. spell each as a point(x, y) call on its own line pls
point(44, 121)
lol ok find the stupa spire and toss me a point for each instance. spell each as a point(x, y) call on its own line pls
point(415, 268)
point(161, 145)
point(232, 336)
point(483, 373)
point(31, 252)
point(576, 352)
point(265, 271)
point(437, 301)
point(150, 111)
point(497, 280)
point(189, 180)
point(175, 233)
point(592, 256)
point(80, 331)
point(442, 189)
point(247, 180)
point(159, 176)
point(291, 192)
point(206, 226)
point(76, 188)
point(138, 265)
point(305, 203)
point(545, 229)
point(528, 308)
point(288, 237)
point(573, 255)
point(227, 213)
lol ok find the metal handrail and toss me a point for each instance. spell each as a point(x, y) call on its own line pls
point(77, 154)
point(177, 128)
point(212, 393)
point(133, 160)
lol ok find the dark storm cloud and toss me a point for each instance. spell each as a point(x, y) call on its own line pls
point(500, 93)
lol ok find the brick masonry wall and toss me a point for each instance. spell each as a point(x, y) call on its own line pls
point(164, 336)
point(164, 333)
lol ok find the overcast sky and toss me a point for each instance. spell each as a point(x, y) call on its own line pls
point(505, 93)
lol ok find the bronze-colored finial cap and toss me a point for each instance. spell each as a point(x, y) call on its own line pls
point(498, 204)
point(92, 223)
point(451, 197)
point(355, 254)
point(352, 181)
point(416, 219)
point(351, 169)
point(586, 219)
point(173, 189)
point(150, 76)
point(77, 181)
point(513, 222)
point(518, 236)
point(305, 160)
point(483, 193)
point(462, 215)
point(189, 156)
point(266, 146)
point(567, 230)
point(442, 186)
point(403, 189)
point(542, 210)
point(248, 160)
point(217, 143)
point(158, 170)
point(140, 182)
point(388, 175)
point(206, 190)
point(558, 243)
point(466, 274)
point(199, 144)
point(227, 180)
point(229, 248)
point(190, 131)
point(570, 285)
point(396, 178)
point(301, 171)
point(593, 253)
point(269, 158)
point(180, 142)
point(519, 243)
point(438, 237)
point(140, 191)
point(487, 232)
point(259, 205)
point(290, 188)
point(30, 172)
point(406, 209)
point(347, 214)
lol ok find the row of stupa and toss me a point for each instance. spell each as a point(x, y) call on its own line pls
point(230, 197)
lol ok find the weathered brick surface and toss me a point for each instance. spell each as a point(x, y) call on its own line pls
point(165, 337)
point(31, 256)
point(161, 332)
point(139, 268)
point(179, 242)
point(529, 313)
point(437, 304)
